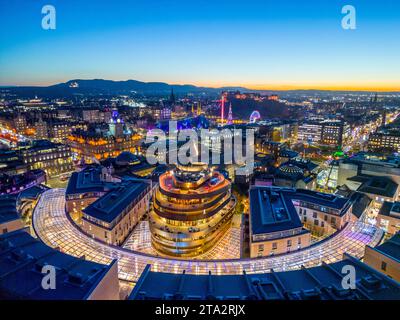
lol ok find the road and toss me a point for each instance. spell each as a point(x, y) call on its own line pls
point(54, 228)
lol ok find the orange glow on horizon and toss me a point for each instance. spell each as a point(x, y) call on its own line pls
point(343, 86)
point(378, 87)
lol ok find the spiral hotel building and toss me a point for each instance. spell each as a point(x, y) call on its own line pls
point(192, 209)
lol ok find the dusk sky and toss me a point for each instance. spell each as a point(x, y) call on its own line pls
point(258, 44)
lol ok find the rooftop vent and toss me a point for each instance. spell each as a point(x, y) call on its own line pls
point(76, 278)
point(274, 196)
point(371, 282)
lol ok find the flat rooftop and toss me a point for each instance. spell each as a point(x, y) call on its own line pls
point(382, 186)
point(111, 205)
point(87, 180)
point(318, 283)
point(270, 211)
point(22, 258)
point(391, 247)
point(8, 210)
point(272, 208)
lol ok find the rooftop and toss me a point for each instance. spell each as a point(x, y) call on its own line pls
point(382, 186)
point(87, 180)
point(270, 212)
point(272, 208)
point(112, 204)
point(391, 247)
point(21, 261)
point(390, 209)
point(8, 211)
point(318, 283)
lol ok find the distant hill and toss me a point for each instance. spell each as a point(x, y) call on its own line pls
point(96, 87)
point(110, 87)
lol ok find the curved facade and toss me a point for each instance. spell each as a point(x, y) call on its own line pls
point(192, 209)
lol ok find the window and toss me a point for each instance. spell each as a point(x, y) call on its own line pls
point(326, 218)
point(274, 246)
point(383, 265)
point(333, 220)
point(314, 214)
point(316, 222)
point(289, 243)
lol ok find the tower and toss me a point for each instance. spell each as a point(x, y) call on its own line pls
point(198, 108)
point(384, 117)
point(230, 114)
point(222, 109)
point(172, 97)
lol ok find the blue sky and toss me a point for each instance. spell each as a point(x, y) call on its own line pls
point(260, 44)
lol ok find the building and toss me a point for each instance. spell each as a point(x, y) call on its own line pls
point(11, 163)
point(275, 225)
point(379, 189)
point(384, 140)
point(20, 124)
point(17, 183)
point(94, 146)
point(165, 113)
point(309, 132)
point(91, 116)
point(282, 219)
point(112, 217)
point(87, 186)
point(317, 283)
point(60, 131)
point(53, 158)
point(297, 173)
point(10, 219)
point(42, 130)
point(388, 218)
point(192, 209)
point(325, 132)
point(369, 165)
point(332, 133)
point(22, 259)
point(385, 258)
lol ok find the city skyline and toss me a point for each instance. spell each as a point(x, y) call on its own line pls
point(260, 45)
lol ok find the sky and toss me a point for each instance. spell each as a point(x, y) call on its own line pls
point(260, 44)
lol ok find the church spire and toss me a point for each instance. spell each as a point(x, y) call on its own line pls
point(172, 96)
point(230, 120)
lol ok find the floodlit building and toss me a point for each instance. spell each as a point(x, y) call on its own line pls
point(95, 146)
point(192, 209)
point(54, 158)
